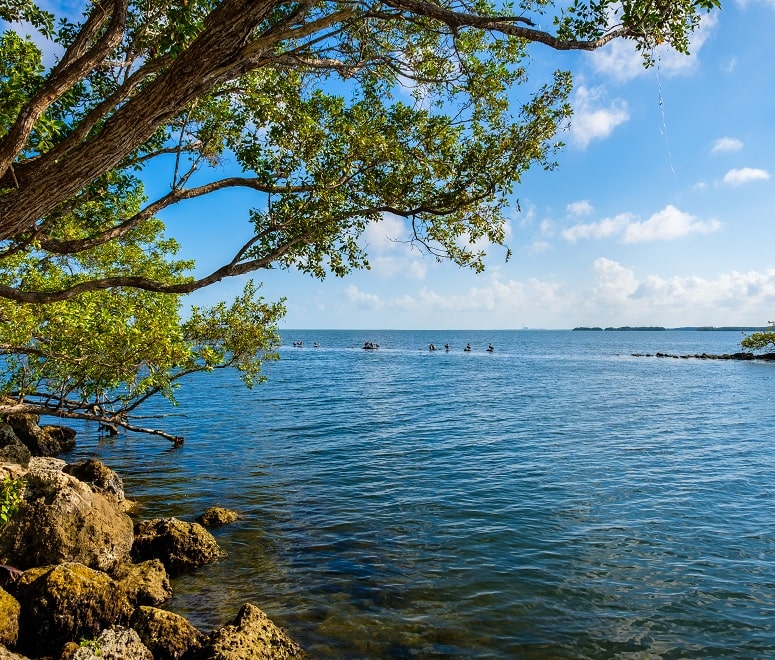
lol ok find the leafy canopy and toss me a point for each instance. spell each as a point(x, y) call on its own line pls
point(331, 113)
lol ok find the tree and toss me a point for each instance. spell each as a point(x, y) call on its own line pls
point(333, 113)
point(759, 340)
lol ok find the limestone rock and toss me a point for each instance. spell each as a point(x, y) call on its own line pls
point(68, 602)
point(100, 478)
point(5, 654)
point(252, 635)
point(181, 546)
point(9, 618)
point(169, 636)
point(215, 516)
point(61, 519)
point(145, 583)
point(115, 643)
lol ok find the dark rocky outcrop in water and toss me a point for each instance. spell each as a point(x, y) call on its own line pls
point(766, 357)
point(169, 636)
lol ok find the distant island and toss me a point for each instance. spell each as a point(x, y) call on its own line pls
point(707, 328)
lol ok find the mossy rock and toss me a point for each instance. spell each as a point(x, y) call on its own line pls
point(9, 618)
point(145, 583)
point(181, 546)
point(216, 516)
point(68, 602)
point(169, 636)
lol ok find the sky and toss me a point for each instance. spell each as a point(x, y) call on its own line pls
point(661, 211)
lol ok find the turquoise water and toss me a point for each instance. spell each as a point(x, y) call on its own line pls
point(558, 498)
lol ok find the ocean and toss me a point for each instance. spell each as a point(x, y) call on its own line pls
point(555, 498)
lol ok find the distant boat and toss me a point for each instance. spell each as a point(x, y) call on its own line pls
point(370, 346)
point(467, 348)
point(490, 348)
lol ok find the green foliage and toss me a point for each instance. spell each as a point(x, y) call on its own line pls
point(93, 645)
point(759, 340)
point(11, 492)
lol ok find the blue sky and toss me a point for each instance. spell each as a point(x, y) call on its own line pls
point(661, 211)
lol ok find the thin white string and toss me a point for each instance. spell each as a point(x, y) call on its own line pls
point(664, 119)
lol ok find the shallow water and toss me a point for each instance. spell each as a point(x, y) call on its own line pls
point(558, 498)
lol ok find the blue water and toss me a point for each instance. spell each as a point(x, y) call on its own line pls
point(558, 498)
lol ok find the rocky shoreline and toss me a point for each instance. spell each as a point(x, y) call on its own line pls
point(81, 580)
point(766, 357)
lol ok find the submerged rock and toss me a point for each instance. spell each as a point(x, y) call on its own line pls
point(216, 516)
point(169, 636)
point(60, 519)
point(251, 635)
point(181, 546)
point(64, 603)
point(145, 583)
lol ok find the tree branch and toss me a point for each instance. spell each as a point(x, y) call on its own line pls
point(79, 59)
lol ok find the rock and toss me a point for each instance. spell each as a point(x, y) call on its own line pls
point(169, 636)
point(60, 519)
point(13, 450)
point(41, 441)
point(215, 516)
point(115, 643)
point(9, 618)
point(100, 478)
point(252, 635)
point(5, 654)
point(145, 583)
point(181, 546)
point(65, 603)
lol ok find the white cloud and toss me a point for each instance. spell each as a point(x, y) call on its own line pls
point(582, 207)
point(615, 294)
point(385, 235)
point(603, 229)
point(666, 225)
point(738, 177)
point(594, 117)
point(725, 144)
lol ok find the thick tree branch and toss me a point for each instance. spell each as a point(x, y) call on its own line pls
point(79, 60)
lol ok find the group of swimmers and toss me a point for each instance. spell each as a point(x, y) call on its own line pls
point(467, 349)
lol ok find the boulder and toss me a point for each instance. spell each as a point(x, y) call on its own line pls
point(169, 636)
point(145, 583)
point(215, 516)
point(9, 618)
point(252, 635)
point(100, 478)
point(115, 643)
point(181, 546)
point(66, 603)
point(13, 450)
point(41, 441)
point(60, 519)
point(5, 654)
